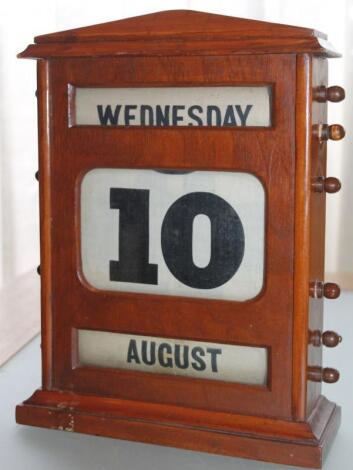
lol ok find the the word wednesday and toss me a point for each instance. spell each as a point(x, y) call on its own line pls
point(176, 115)
point(219, 106)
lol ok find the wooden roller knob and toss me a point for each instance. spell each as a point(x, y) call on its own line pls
point(332, 185)
point(336, 132)
point(331, 339)
point(329, 185)
point(318, 289)
point(330, 376)
point(331, 290)
point(335, 94)
point(327, 375)
point(332, 132)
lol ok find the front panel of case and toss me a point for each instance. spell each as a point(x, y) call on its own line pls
point(172, 200)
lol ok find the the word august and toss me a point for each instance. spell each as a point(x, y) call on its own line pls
point(181, 356)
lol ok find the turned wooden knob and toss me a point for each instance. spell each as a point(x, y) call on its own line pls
point(331, 290)
point(334, 94)
point(336, 132)
point(327, 375)
point(329, 185)
point(332, 185)
point(331, 339)
point(330, 376)
point(318, 289)
point(36, 175)
point(332, 132)
point(38, 269)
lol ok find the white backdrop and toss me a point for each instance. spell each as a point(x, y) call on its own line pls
point(21, 20)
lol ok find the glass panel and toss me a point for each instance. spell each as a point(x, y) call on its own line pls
point(196, 359)
point(196, 234)
point(226, 106)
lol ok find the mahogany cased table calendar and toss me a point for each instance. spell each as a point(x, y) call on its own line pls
point(182, 174)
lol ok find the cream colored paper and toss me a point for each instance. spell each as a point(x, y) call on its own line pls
point(196, 359)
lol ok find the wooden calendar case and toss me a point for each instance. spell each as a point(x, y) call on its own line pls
point(182, 173)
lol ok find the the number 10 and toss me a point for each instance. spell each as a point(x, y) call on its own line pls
point(227, 239)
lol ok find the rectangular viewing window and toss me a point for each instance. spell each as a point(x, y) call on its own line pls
point(216, 106)
point(196, 359)
point(186, 233)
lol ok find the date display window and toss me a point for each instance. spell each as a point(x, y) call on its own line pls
point(194, 234)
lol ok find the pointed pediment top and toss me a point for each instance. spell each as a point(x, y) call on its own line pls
point(177, 24)
point(180, 32)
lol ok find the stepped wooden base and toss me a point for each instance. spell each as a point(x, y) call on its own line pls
point(279, 441)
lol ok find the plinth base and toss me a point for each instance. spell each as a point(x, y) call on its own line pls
point(286, 442)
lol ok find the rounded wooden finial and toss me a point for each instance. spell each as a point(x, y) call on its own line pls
point(331, 339)
point(335, 94)
point(336, 132)
point(332, 132)
point(332, 184)
point(330, 376)
point(331, 290)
